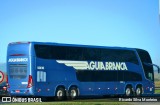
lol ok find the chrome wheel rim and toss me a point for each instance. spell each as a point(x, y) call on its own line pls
point(59, 93)
point(128, 92)
point(73, 93)
point(138, 91)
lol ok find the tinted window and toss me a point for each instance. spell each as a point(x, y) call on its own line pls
point(58, 52)
point(119, 55)
point(83, 53)
point(18, 71)
point(132, 76)
point(102, 76)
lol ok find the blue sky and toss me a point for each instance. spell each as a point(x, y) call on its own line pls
point(124, 23)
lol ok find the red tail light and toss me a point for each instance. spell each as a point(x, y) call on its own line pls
point(19, 43)
point(30, 82)
point(17, 55)
point(7, 82)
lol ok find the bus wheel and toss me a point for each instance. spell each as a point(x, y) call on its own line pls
point(73, 93)
point(138, 91)
point(60, 94)
point(128, 91)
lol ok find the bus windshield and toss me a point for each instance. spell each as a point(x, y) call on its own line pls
point(145, 58)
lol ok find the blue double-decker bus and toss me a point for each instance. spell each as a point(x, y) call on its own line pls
point(60, 70)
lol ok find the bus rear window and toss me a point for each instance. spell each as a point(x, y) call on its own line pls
point(18, 71)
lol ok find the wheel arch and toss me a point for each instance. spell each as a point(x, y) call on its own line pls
point(139, 85)
point(59, 86)
point(129, 85)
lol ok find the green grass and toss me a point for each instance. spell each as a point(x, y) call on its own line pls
point(157, 91)
point(72, 103)
point(157, 83)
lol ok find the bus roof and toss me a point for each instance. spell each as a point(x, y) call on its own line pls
point(75, 45)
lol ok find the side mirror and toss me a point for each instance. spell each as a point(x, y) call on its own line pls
point(149, 64)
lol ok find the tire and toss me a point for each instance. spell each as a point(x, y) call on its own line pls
point(60, 94)
point(73, 93)
point(128, 91)
point(138, 91)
